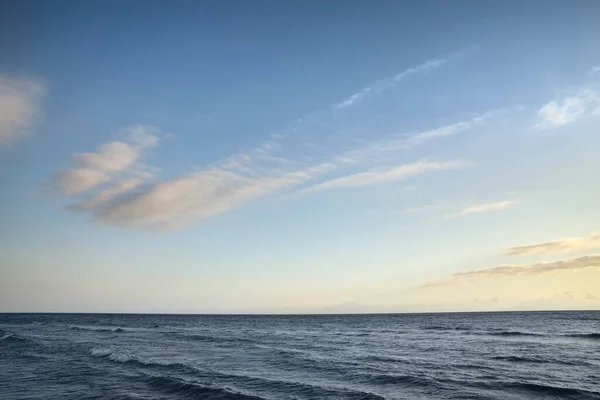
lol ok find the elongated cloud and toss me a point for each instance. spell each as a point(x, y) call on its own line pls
point(19, 106)
point(182, 201)
point(481, 208)
point(411, 140)
point(585, 263)
point(386, 84)
point(557, 246)
point(568, 110)
point(93, 169)
point(105, 188)
point(379, 176)
point(589, 262)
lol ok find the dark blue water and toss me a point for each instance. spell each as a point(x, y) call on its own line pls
point(533, 355)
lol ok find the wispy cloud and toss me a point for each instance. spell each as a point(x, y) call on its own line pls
point(105, 185)
point(93, 169)
point(594, 70)
point(481, 208)
point(386, 84)
point(567, 110)
point(589, 262)
point(557, 246)
point(410, 140)
point(378, 176)
point(571, 264)
point(19, 106)
point(112, 186)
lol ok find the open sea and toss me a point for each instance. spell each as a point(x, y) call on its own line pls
point(516, 355)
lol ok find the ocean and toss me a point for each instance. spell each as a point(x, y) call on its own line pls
point(512, 355)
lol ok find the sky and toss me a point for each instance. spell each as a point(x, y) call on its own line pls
point(299, 157)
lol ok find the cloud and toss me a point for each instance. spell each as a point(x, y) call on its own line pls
point(72, 182)
point(500, 205)
point(584, 263)
point(594, 70)
point(93, 169)
point(181, 201)
point(589, 262)
point(19, 106)
point(115, 193)
point(386, 84)
point(411, 140)
point(557, 246)
point(567, 110)
point(103, 197)
point(379, 176)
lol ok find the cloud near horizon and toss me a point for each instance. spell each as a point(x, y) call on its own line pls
point(19, 106)
point(588, 262)
point(557, 246)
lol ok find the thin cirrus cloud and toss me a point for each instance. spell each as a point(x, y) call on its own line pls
point(557, 246)
point(19, 106)
point(594, 70)
point(562, 112)
point(129, 201)
point(379, 176)
point(385, 84)
point(482, 208)
point(411, 140)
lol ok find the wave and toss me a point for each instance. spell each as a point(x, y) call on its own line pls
point(520, 359)
point(554, 391)
point(401, 380)
point(592, 336)
point(208, 338)
point(513, 333)
point(446, 328)
point(96, 329)
point(181, 387)
point(113, 354)
point(125, 357)
point(12, 337)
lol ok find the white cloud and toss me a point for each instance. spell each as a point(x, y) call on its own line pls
point(480, 208)
point(97, 168)
point(19, 106)
point(72, 182)
point(386, 84)
point(378, 176)
point(567, 110)
point(557, 246)
point(113, 156)
point(181, 201)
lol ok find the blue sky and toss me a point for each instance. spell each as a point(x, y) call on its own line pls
point(299, 157)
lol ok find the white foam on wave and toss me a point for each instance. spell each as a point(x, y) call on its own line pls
point(6, 336)
point(112, 354)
